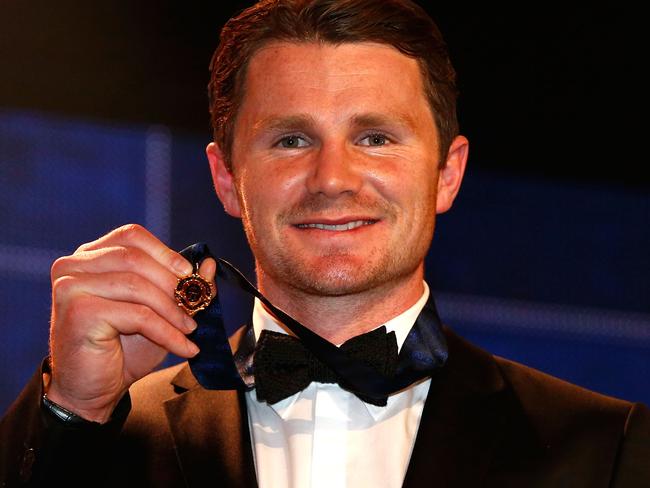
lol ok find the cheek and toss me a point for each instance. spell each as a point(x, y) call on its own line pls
point(411, 184)
point(263, 198)
point(418, 201)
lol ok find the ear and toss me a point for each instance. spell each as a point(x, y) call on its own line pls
point(451, 175)
point(223, 180)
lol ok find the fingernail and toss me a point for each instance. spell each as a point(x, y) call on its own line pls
point(182, 267)
point(192, 348)
point(190, 323)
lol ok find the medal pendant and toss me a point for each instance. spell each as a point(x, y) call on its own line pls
point(194, 293)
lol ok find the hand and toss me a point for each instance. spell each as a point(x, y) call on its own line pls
point(114, 318)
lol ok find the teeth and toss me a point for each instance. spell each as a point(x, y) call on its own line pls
point(337, 227)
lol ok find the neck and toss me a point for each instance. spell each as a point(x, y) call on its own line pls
point(339, 318)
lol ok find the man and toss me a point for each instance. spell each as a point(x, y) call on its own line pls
point(336, 143)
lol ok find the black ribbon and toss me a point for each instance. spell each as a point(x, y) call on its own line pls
point(216, 368)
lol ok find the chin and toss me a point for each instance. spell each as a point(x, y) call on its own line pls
point(337, 276)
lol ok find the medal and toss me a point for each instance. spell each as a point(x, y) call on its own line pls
point(194, 293)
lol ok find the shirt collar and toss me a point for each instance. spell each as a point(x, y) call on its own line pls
point(401, 325)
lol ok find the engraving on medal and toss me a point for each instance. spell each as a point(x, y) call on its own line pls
point(194, 293)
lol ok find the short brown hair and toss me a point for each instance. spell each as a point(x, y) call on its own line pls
point(398, 23)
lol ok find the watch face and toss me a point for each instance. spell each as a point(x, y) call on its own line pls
point(193, 293)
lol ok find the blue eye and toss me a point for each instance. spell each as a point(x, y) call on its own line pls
point(291, 142)
point(375, 139)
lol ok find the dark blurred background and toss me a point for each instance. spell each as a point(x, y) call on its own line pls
point(552, 92)
point(544, 259)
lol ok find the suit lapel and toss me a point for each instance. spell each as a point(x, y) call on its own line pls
point(462, 422)
point(210, 431)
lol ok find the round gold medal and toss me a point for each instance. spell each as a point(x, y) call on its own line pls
point(194, 293)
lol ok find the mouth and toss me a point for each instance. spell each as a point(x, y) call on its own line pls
point(337, 226)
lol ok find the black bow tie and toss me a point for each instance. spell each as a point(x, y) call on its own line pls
point(283, 366)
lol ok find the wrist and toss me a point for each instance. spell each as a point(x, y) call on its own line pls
point(99, 415)
point(61, 417)
point(56, 395)
point(65, 416)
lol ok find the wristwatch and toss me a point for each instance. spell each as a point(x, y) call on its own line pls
point(65, 416)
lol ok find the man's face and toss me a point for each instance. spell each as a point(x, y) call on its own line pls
point(335, 167)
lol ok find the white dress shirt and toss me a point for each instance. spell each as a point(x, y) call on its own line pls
point(325, 437)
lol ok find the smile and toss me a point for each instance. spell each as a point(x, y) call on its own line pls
point(355, 224)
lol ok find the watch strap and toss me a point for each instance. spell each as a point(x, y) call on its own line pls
point(65, 416)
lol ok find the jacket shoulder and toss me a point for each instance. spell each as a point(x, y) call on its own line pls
point(545, 393)
point(554, 430)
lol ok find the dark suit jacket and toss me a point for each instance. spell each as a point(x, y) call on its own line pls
point(486, 422)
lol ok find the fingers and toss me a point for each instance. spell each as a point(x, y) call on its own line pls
point(122, 318)
point(136, 236)
point(124, 287)
point(208, 269)
point(125, 274)
point(128, 268)
point(116, 259)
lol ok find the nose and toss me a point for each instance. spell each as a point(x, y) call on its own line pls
point(335, 171)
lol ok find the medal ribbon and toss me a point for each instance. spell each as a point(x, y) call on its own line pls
point(215, 368)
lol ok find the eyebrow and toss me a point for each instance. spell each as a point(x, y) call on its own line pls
point(285, 123)
point(307, 122)
point(374, 119)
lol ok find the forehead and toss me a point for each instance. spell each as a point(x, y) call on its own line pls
point(362, 58)
point(320, 76)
